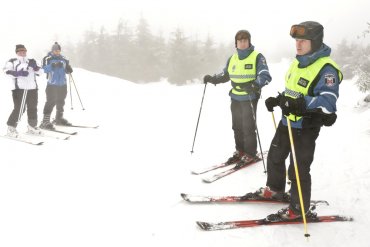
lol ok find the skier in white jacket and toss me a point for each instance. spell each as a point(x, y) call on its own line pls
point(23, 71)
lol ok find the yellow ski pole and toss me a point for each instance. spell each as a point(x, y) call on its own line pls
point(297, 177)
point(273, 119)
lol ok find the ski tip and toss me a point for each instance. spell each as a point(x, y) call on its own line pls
point(184, 196)
point(347, 218)
point(39, 143)
point(203, 225)
point(206, 181)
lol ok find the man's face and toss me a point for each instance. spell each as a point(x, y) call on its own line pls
point(242, 44)
point(22, 52)
point(56, 52)
point(303, 46)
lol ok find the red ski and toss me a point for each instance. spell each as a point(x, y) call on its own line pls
point(207, 226)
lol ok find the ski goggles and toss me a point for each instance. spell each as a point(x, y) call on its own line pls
point(299, 31)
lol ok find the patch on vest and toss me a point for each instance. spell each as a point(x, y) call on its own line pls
point(329, 80)
point(303, 82)
point(233, 68)
point(248, 66)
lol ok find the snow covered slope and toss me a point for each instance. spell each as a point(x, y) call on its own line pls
point(120, 184)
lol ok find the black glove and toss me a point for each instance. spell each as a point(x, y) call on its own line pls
point(329, 119)
point(57, 65)
point(294, 106)
point(69, 69)
point(32, 63)
point(251, 87)
point(208, 78)
point(271, 102)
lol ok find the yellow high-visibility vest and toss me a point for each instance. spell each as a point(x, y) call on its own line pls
point(299, 80)
point(242, 72)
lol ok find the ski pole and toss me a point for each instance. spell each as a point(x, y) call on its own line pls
point(273, 119)
point(73, 81)
point(200, 110)
point(23, 103)
point(297, 177)
point(70, 93)
point(258, 135)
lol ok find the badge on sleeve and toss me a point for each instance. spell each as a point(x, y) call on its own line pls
point(329, 80)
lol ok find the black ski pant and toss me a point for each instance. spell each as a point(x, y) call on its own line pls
point(304, 144)
point(55, 96)
point(30, 104)
point(244, 125)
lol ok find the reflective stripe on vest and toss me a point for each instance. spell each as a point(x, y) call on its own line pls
point(242, 72)
point(299, 80)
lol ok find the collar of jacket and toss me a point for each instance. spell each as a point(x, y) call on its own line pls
point(306, 60)
point(242, 54)
point(54, 56)
point(22, 59)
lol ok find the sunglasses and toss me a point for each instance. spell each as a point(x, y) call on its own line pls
point(22, 50)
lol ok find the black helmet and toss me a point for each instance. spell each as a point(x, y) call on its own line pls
point(242, 34)
point(310, 30)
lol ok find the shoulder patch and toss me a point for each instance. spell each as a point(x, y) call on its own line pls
point(329, 80)
point(263, 60)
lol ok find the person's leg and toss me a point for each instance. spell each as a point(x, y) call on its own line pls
point(304, 143)
point(249, 127)
point(17, 95)
point(278, 152)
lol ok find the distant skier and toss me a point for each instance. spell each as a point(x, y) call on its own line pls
point(248, 71)
point(23, 71)
point(309, 101)
point(56, 66)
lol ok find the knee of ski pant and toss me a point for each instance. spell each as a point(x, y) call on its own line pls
point(303, 172)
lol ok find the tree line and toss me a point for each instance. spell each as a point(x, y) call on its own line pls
point(354, 60)
point(139, 56)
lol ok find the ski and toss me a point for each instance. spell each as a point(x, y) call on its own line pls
point(208, 226)
point(51, 134)
point(235, 168)
point(233, 199)
point(81, 126)
point(62, 131)
point(25, 140)
point(214, 167)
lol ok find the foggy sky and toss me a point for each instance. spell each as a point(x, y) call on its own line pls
point(37, 24)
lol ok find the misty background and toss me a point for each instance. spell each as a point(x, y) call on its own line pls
point(146, 41)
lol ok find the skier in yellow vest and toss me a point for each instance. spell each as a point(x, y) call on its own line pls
point(309, 101)
point(248, 72)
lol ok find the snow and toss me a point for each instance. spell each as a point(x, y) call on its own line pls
point(120, 184)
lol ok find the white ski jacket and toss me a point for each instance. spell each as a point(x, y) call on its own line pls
point(22, 82)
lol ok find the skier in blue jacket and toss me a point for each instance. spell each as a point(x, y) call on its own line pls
point(309, 102)
point(248, 72)
point(56, 66)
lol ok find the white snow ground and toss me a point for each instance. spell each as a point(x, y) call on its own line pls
point(120, 184)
